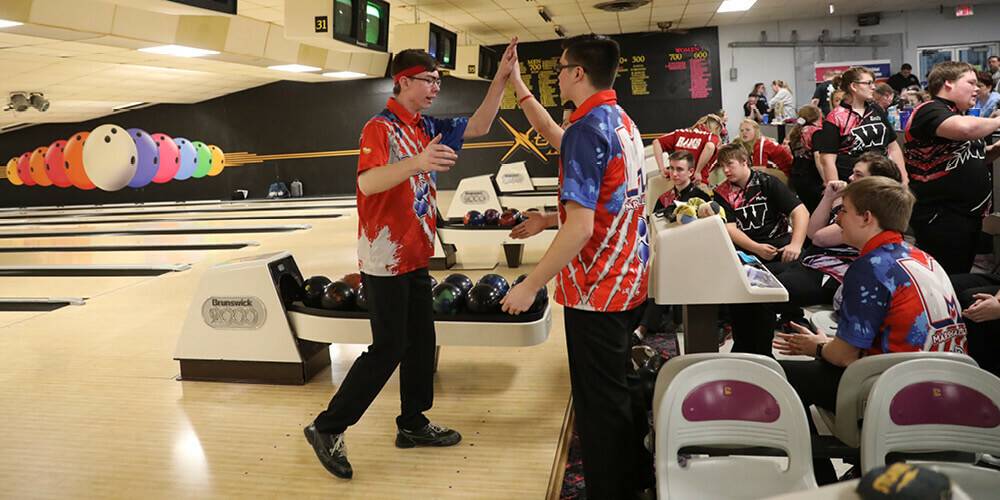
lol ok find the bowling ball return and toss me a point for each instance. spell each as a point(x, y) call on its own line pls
point(245, 324)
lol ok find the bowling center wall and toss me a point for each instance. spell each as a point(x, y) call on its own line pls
point(309, 132)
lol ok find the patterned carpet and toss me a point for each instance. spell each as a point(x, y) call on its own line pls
point(573, 487)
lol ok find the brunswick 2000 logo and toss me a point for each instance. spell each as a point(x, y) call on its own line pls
point(234, 313)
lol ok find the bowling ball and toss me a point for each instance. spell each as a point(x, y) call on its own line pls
point(313, 290)
point(541, 297)
point(509, 217)
point(483, 298)
point(461, 281)
point(497, 281)
point(361, 297)
point(338, 296)
point(434, 282)
point(447, 298)
point(492, 217)
point(353, 279)
point(474, 218)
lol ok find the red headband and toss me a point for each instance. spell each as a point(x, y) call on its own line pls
point(412, 70)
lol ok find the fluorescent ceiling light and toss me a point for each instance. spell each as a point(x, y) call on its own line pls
point(294, 68)
point(736, 5)
point(8, 24)
point(179, 51)
point(343, 74)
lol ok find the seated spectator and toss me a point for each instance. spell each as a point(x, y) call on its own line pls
point(889, 293)
point(979, 296)
point(986, 98)
point(763, 151)
point(884, 96)
point(681, 172)
point(751, 110)
point(702, 140)
point(723, 119)
point(814, 279)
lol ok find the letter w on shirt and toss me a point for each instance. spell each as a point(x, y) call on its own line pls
point(752, 216)
point(867, 136)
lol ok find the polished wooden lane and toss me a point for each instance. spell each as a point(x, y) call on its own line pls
point(91, 408)
point(119, 211)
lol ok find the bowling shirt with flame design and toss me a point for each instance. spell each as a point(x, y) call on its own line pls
point(946, 174)
point(601, 169)
point(396, 227)
point(897, 299)
point(692, 140)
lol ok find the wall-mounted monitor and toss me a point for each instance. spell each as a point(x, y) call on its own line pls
point(440, 43)
point(362, 22)
point(224, 6)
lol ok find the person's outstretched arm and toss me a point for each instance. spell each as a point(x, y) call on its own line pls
point(481, 121)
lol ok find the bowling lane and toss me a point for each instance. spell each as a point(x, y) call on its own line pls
point(141, 218)
point(159, 210)
point(193, 203)
point(8, 318)
point(83, 287)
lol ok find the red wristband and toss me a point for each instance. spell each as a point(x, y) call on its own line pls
point(525, 98)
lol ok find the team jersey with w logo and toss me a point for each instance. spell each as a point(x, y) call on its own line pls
point(601, 169)
point(898, 298)
point(396, 227)
point(850, 135)
point(761, 207)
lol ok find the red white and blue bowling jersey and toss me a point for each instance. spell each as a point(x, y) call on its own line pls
point(396, 227)
point(692, 140)
point(898, 298)
point(601, 169)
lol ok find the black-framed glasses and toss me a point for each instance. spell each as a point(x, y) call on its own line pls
point(433, 82)
point(870, 83)
point(559, 67)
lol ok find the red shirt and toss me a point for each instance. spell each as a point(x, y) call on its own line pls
point(600, 168)
point(767, 153)
point(693, 140)
point(396, 227)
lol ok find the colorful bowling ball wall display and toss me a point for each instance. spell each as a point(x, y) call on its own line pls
point(148, 158)
point(111, 157)
point(170, 158)
point(36, 164)
point(24, 169)
point(218, 161)
point(55, 164)
point(447, 298)
point(204, 159)
point(189, 159)
point(12, 175)
point(73, 158)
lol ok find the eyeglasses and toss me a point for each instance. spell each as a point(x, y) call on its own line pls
point(433, 82)
point(870, 83)
point(559, 67)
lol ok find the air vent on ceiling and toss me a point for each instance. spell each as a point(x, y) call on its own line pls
point(621, 5)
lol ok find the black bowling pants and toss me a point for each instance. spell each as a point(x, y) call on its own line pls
point(402, 323)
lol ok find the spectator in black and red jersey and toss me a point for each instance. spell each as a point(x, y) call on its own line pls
point(856, 127)
point(702, 140)
point(763, 151)
point(752, 110)
point(949, 161)
point(806, 178)
point(681, 172)
point(759, 208)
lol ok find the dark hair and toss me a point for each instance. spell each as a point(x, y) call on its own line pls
point(906, 66)
point(879, 165)
point(682, 155)
point(884, 89)
point(988, 59)
point(853, 75)
point(409, 58)
point(985, 78)
point(597, 54)
point(732, 151)
point(751, 94)
point(947, 71)
point(809, 114)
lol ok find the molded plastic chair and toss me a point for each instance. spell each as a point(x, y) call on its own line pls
point(933, 405)
point(731, 403)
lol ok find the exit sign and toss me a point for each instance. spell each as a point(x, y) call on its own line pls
point(963, 10)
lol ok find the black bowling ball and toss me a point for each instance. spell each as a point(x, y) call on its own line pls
point(483, 299)
point(541, 297)
point(338, 296)
point(361, 300)
point(499, 282)
point(463, 282)
point(447, 298)
point(313, 290)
